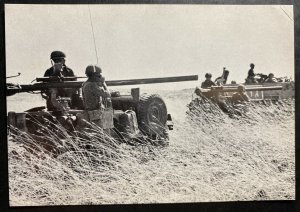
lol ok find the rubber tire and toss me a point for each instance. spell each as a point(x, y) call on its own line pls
point(151, 112)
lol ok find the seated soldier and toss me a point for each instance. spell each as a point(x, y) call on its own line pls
point(271, 78)
point(93, 96)
point(251, 75)
point(92, 91)
point(222, 79)
point(59, 69)
point(240, 96)
point(208, 82)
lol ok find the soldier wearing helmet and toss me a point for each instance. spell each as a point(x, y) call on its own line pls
point(94, 90)
point(95, 95)
point(208, 82)
point(271, 78)
point(59, 69)
point(240, 96)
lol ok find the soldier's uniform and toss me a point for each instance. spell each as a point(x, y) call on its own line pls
point(66, 72)
point(207, 83)
point(270, 78)
point(251, 74)
point(52, 94)
point(94, 96)
point(222, 79)
point(240, 96)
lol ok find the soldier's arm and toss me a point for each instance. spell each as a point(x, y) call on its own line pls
point(47, 73)
point(202, 85)
point(246, 97)
point(98, 91)
point(72, 74)
point(105, 86)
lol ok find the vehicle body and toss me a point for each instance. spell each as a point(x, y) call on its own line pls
point(267, 91)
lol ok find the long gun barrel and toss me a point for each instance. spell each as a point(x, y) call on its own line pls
point(46, 83)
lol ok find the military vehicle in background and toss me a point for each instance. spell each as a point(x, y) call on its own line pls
point(134, 116)
point(255, 92)
point(281, 88)
point(260, 91)
point(287, 91)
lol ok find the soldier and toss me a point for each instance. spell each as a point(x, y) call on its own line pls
point(222, 79)
point(94, 89)
point(208, 82)
point(94, 94)
point(240, 96)
point(270, 78)
point(251, 74)
point(59, 69)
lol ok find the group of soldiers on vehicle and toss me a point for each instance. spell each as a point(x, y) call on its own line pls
point(219, 81)
point(95, 94)
point(251, 78)
point(213, 90)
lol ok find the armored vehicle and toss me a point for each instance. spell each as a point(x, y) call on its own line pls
point(141, 116)
point(255, 92)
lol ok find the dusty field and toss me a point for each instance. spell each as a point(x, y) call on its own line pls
point(211, 157)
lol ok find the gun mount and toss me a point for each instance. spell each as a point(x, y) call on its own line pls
point(128, 116)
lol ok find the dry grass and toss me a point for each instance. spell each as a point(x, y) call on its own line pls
point(211, 157)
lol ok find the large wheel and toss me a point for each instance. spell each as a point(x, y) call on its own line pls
point(152, 116)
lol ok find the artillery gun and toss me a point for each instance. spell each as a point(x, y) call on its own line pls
point(126, 116)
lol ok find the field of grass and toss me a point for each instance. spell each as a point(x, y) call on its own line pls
point(211, 157)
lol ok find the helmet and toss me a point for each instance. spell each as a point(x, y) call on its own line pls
point(57, 55)
point(252, 65)
point(208, 75)
point(271, 75)
point(241, 88)
point(92, 70)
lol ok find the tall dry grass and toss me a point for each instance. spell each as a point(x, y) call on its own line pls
point(211, 157)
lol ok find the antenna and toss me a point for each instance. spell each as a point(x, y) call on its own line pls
point(91, 21)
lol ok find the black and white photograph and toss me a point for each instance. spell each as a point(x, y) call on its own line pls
point(149, 103)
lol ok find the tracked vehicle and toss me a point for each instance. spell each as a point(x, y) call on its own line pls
point(255, 92)
point(263, 93)
point(126, 116)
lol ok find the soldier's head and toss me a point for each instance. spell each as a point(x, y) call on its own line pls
point(241, 89)
point(271, 75)
point(58, 57)
point(93, 71)
point(252, 65)
point(208, 75)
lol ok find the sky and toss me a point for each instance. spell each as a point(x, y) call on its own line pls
point(143, 41)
